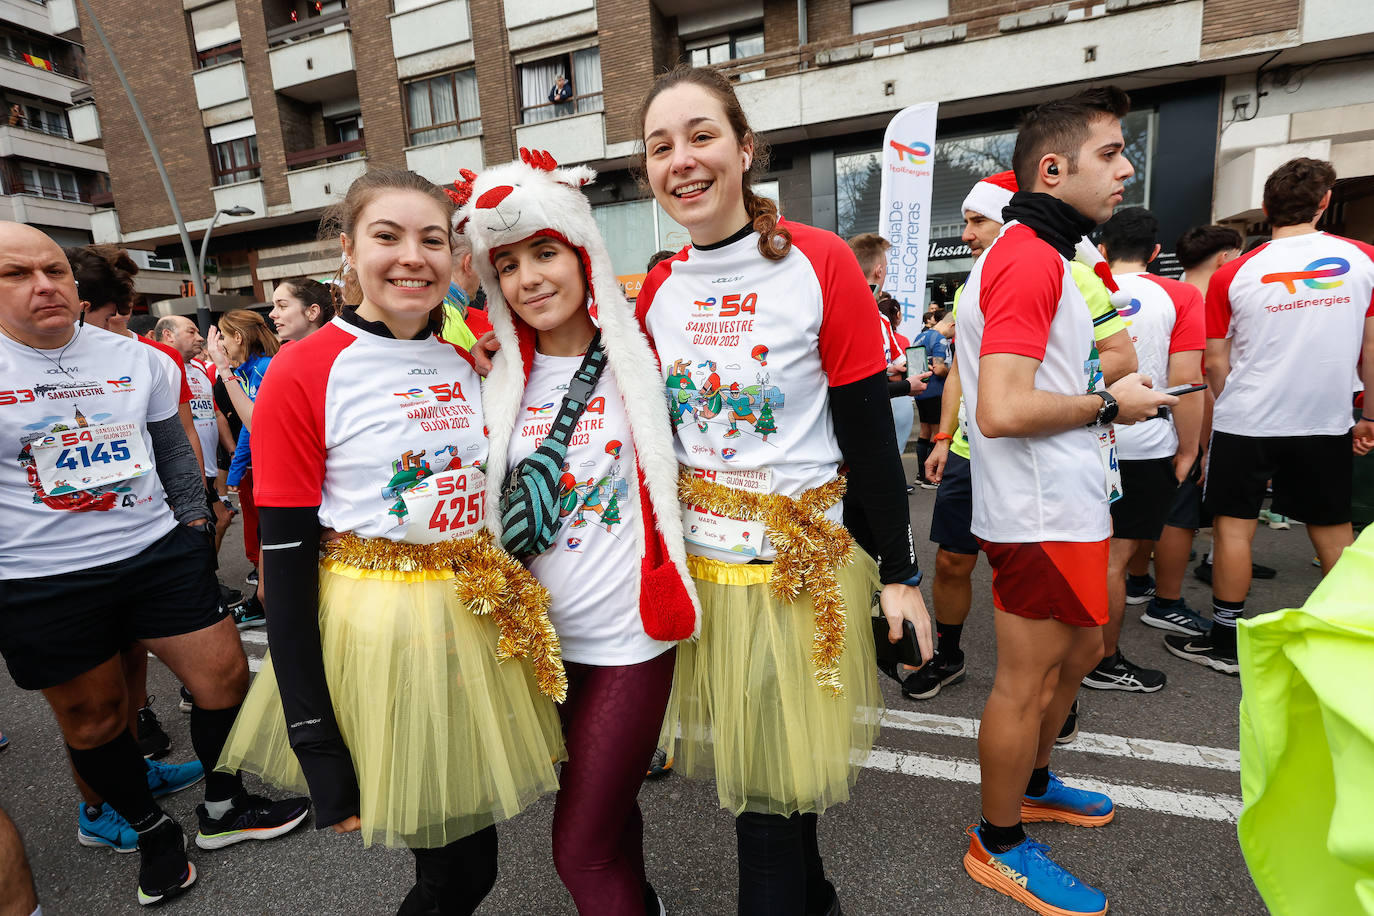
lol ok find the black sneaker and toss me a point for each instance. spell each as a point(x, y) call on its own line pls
point(1176, 616)
point(1119, 674)
point(1070, 729)
point(250, 613)
point(251, 818)
point(152, 740)
point(229, 596)
point(1203, 572)
point(660, 765)
point(252, 577)
point(187, 701)
point(164, 872)
point(928, 680)
point(1141, 590)
point(1200, 649)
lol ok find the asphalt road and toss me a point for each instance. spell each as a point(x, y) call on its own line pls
point(1169, 759)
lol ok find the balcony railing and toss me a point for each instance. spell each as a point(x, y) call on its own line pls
point(334, 152)
point(73, 70)
point(308, 29)
point(52, 130)
point(14, 186)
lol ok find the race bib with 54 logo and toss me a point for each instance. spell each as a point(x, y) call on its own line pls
point(90, 457)
point(446, 506)
point(720, 532)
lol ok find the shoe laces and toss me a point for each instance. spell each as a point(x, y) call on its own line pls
point(146, 716)
point(1051, 869)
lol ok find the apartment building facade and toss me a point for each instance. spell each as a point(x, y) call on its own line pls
point(53, 173)
point(276, 106)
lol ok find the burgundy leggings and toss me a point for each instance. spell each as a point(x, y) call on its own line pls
point(611, 722)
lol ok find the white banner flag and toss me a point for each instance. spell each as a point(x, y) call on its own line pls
point(908, 165)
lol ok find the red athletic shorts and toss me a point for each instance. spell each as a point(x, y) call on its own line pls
point(1060, 579)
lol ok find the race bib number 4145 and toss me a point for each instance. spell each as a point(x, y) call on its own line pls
point(90, 457)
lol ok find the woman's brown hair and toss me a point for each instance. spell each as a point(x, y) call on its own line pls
point(774, 242)
point(313, 292)
point(342, 219)
point(257, 336)
point(104, 274)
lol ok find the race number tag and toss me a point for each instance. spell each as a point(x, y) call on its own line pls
point(446, 506)
point(90, 457)
point(707, 529)
point(1111, 471)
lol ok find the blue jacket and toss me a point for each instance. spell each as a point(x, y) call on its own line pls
point(250, 372)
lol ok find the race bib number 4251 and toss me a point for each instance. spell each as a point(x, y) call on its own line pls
point(446, 506)
point(90, 457)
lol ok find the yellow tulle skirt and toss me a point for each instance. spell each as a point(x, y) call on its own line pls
point(749, 710)
point(445, 739)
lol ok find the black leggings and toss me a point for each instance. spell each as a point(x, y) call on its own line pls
point(454, 879)
point(780, 869)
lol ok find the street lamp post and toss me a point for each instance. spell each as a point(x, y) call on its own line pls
point(202, 293)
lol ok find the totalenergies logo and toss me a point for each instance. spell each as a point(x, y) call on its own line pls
point(1129, 310)
point(1312, 275)
point(916, 153)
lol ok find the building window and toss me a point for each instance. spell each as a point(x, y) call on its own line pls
point(882, 15)
point(721, 49)
point(559, 86)
point(220, 55)
point(34, 117)
point(216, 32)
point(443, 107)
point(235, 160)
point(56, 184)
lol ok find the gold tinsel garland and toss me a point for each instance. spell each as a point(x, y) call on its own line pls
point(810, 548)
point(489, 581)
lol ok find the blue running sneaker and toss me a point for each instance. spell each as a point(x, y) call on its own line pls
point(1175, 616)
point(1027, 875)
point(1139, 590)
point(1067, 805)
point(108, 830)
point(166, 778)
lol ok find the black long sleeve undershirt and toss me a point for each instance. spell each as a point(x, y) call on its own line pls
point(290, 571)
point(875, 505)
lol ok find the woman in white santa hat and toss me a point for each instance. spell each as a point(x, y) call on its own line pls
point(779, 698)
point(582, 468)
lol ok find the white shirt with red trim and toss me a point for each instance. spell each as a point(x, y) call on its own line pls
point(592, 571)
point(107, 382)
point(203, 413)
point(748, 348)
point(175, 368)
point(349, 421)
point(1294, 309)
point(1164, 317)
point(1021, 299)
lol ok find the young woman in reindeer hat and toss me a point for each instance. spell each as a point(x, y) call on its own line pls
point(392, 692)
point(779, 696)
point(583, 469)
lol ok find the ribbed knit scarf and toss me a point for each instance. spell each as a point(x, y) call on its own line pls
point(1056, 222)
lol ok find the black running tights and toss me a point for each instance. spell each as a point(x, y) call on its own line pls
point(780, 870)
point(453, 880)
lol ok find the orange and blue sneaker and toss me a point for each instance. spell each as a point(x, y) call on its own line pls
point(1067, 805)
point(1028, 875)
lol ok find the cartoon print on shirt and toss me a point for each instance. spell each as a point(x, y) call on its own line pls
point(65, 496)
point(753, 404)
point(406, 472)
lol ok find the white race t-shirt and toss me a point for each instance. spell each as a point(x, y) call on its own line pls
point(203, 413)
point(350, 421)
point(1164, 317)
point(592, 571)
point(1294, 309)
point(749, 348)
point(106, 382)
point(1021, 299)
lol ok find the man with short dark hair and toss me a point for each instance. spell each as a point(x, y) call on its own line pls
point(1164, 318)
point(102, 540)
point(1041, 482)
point(1293, 316)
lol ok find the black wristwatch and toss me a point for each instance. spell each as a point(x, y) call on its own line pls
point(1107, 412)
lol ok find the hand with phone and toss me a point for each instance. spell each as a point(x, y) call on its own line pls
point(904, 609)
point(1137, 400)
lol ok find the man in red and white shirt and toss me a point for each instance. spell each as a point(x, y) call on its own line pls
point(1164, 319)
point(1039, 494)
point(1286, 324)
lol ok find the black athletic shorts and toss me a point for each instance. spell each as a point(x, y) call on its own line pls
point(953, 513)
point(1147, 494)
point(1311, 476)
point(928, 410)
point(53, 628)
point(1187, 511)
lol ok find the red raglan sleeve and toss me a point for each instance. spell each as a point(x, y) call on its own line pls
point(288, 436)
point(1021, 285)
point(1218, 305)
point(652, 283)
point(852, 340)
point(1189, 332)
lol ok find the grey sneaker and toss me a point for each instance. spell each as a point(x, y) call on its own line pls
point(1176, 617)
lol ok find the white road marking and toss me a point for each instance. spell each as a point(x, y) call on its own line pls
point(254, 663)
point(257, 636)
point(1164, 801)
point(1212, 758)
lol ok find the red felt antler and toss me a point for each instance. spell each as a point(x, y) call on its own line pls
point(538, 159)
point(462, 187)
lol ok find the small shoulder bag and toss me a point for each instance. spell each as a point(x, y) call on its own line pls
point(529, 497)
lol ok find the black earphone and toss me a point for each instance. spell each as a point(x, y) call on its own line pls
point(1052, 169)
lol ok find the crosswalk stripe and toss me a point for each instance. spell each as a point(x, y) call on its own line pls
point(1212, 758)
point(256, 636)
point(1143, 798)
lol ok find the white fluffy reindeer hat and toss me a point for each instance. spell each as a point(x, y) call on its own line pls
point(530, 197)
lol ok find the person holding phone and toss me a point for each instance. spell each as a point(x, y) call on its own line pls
point(936, 362)
point(1165, 320)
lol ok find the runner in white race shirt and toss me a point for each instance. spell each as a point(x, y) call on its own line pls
point(412, 666)
point(769, 343)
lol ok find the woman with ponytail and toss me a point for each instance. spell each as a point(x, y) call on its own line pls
point(775, 372)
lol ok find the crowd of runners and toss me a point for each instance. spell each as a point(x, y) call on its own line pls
point(492, 567)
